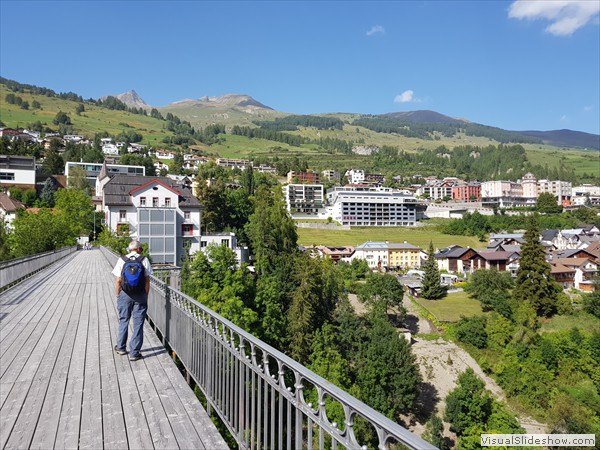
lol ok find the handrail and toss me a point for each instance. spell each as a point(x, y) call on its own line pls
point(15, 270)
point(257, 391)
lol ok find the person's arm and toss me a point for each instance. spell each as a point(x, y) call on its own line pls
point(118, 286)
point(147, 286)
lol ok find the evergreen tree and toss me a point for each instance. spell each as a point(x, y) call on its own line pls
point(54, 163)
point(388, 375)
point(534, 284)
point(432, 286)
point(271, 230)
point(47, 193)
point(434, 432)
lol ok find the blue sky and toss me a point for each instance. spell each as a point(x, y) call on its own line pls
point(517, 65)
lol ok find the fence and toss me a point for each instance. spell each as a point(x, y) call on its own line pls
point(15, 270)
point(262, 396)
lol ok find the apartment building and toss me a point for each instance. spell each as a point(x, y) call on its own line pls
point(304, 199)
point(562, 190)
point(467, 192)
point(404, 256)
point(370, 206)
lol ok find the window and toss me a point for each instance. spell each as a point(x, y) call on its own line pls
point(122, 215)
point(155, 202)
point(225, 242)
point(168, 202)
point(187, 229)
point(7, 176)
point(142, 201)
point(187, 215)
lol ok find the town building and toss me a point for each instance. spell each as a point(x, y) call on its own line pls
point(467, 192)
point(331, 175)
point(375, 253)
point(304, 199)
point(227, 239)
point(404, 256)
point(562, 190)
point(303, 177)
point(369, 206)
point(8, 209)
point(155, 210)
point(17, 171)
point(228, 163)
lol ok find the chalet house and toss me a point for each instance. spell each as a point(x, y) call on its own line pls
point(154, 210)
point(490, 260)
point(453, 258)
point(581, 271)
point(563, 275)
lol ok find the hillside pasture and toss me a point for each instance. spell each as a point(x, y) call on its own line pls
point(419, 236)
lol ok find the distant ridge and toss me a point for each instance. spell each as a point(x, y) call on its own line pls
point(425, 116)
point(566, 138)
point(132, 99)
point(244, 103)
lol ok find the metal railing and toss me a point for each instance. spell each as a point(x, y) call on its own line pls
point(260, 394)
point(15, 270)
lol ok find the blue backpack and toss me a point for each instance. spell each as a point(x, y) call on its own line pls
point(133, 280)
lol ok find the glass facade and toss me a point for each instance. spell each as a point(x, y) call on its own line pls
point(157, 227)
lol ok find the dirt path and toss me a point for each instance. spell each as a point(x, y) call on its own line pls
point(440, 362)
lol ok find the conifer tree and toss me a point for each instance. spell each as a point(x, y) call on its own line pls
point(534, 283)
point(432, 286)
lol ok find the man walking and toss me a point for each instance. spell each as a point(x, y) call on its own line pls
point(133, 285)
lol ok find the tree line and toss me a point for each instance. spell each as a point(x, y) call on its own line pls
point(428, 131)
point(292, 122)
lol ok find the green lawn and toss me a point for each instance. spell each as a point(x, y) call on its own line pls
point(581, 320)
point(452, 307)
point(419, 236)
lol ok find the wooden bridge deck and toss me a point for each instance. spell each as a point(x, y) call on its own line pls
point(63, 386)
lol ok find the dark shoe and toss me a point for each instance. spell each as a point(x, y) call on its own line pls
point(135, 357)
point(119, 351)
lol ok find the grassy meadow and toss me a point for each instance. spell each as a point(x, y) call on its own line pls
point(452, 307)
point(419, 236)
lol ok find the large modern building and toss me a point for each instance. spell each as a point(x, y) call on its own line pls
point(367, 206)
point(17, 171)
point(155, 210)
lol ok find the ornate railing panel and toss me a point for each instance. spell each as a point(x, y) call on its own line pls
point(15, 270)
point(261, 394)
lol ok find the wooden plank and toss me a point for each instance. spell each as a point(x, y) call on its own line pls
point(25, 425)
point(209, 435)
point(113, 421)
point(45, 432)
point(67, 435)
point(11, 408)
point(90, 429)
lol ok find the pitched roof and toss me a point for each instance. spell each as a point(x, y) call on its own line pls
point(571, 262)
point(559, 268)
point(117, 190)
point(9, 204)
point(548, 235)
point(495, 256)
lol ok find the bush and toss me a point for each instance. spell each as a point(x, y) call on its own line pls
point(472, 330)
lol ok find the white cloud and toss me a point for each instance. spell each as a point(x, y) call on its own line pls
point(406, 97)
point(375, 29)
point(588, 108)
point(566, 16)
point(564, 118)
